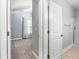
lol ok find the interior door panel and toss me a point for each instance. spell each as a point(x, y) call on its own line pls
point(55, 20)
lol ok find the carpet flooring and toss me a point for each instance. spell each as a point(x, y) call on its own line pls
point(21, 49)
point(73, 53)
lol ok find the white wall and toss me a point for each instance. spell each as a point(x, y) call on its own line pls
point(17, 4)
point(3, 27)
point(0, 32)
point(16, 23)
point(67, 22)
point(35, 27)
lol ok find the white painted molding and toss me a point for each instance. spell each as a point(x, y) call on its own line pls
point(35, 54)
point(67, 48)
point(40, 5)
point(76, 45)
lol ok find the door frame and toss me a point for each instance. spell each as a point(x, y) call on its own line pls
point(43, 28)
point(40, 29)
point(74, 34)
point(4, 28)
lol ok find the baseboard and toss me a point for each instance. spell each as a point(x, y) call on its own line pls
point(67, 48)
point(75, 45)
point(35, 54)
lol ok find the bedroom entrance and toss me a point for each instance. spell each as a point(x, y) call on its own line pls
point(23, 32)
point(21, 29)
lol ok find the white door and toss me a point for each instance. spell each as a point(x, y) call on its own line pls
point(55, 21)
point(76, 41)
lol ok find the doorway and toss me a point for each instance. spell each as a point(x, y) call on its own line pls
point(21, 29)
point(21, 33)
point(24, 35)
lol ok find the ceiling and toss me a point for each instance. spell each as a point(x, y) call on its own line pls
point(19, 4)
point(74, 3)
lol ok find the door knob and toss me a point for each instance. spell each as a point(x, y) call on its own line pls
point(62, 35)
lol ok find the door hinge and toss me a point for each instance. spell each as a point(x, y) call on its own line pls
point(48, 57)
point(74, 27)
point(62, 35)
point(48, 31)
point(7, 33)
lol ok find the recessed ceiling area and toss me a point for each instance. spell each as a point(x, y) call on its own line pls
point(74, 3)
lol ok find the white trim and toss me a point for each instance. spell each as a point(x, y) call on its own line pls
point(75, 45)
point(67, 48)
point(9, 30)
point(3, 28)
point(19, 38)
point(40, 5)
point(35, 54)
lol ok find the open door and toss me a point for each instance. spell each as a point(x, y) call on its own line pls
point(55, 28)
point(52, 30)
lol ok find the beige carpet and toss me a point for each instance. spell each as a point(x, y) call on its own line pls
point(21, 49)
point(73, 53)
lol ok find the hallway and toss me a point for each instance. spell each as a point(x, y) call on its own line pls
point(73, 53)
